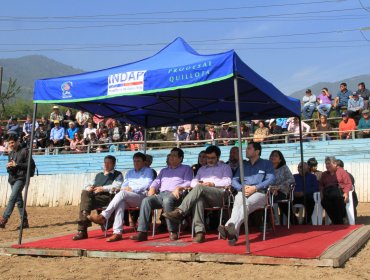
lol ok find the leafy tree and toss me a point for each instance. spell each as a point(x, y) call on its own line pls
point(7, 96)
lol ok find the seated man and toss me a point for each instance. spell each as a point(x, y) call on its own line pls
point(132, 192)
point(57, 135)
point(346, 126)
point(335, 184)
point(355, 105)
point(364, 125)
point(97, 194)
point(302, 195)
point(341, 100)
point(208, 191)
point(171, 181)
point(308, 104)
point(258, 176)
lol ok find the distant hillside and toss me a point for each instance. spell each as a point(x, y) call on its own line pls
point(334, 86)
point(27, 69)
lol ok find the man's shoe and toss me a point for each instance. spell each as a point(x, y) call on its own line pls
point(223, 232)
point(200, 237)
point(3, 222)
point(174, 236)
point(231, 234)
point(97, 219)
point(115, 237)
point(140, 236)
point(81, 234)
point(175, 216)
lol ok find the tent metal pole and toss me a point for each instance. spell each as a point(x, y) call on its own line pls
point(302, 162)
point(241, 167)
point(28, 173)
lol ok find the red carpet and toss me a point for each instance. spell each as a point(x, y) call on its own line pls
point(305, 242)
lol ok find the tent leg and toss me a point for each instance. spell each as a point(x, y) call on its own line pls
point(241, 169)
point(28, 172)
point(302, 162)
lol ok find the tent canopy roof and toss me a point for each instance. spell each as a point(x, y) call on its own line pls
point(175, 86)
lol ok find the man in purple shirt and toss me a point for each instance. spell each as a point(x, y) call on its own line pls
point(324, 100)
point(208, 191)
point(171, 181)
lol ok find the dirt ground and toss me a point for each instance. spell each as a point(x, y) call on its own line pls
point(55, 221)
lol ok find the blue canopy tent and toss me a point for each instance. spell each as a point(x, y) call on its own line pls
point(175, 86)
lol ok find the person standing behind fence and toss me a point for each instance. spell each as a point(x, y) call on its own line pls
point(335, 184)
point(17, 169)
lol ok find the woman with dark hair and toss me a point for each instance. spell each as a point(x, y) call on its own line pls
point(283, 178)
point(202, 161)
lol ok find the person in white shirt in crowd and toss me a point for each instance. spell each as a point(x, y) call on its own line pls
point(308, 104)
point(293, 127)
point(88, 130)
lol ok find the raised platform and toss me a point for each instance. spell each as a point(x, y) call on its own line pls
point(328, 246)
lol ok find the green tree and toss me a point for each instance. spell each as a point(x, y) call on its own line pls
point(7, 96)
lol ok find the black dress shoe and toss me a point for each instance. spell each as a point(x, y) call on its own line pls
point(140, 236)
point(174, 236)
point(81, 234)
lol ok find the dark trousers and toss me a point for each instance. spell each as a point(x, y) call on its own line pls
point(309, 207)
point(90, 201)
point(334, 205)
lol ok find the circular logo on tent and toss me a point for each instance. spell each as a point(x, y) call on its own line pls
point(66, 89)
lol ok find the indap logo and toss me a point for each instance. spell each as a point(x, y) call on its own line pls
point(126, 82)
point(66, 89)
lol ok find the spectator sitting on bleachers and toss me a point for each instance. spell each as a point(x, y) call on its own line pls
point(275, 130)
point(105, 140)
point(96, 194)
point(27, 126)
point(81, 119)
point(70, 132)
point(182, 135)
point(116, 132)
point(12, 127)
point(293, 127)
point(341, 100)
point(364, 93)
point(302, 195)
point(355, 106)
point(42, 137)
point(55, 115)
point(324, 101)
point(77, 143)
point(283, 123)
point(90, 128)
point(364, 125)
point(92, 142)
point(45, 122)
point(227, 132)
point(68, 117)
point(308, 104)
point(211, 133)
point(346, 126)
point(335, 184)
point(56, 135)
point(196, 134)
point(261, 132)
point(244, 130)
point(323, 126)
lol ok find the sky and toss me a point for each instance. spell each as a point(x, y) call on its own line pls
point(291, 43)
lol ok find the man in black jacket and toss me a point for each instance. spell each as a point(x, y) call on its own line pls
point(17, 168)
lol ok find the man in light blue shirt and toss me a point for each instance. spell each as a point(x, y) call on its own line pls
point(57, 135)
point(258, 176)
point(133, 191)
point(355, 105)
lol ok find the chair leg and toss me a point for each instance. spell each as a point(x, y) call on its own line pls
point(154, 220)
point(288, 215)
point(264, 225)
point(221, 215)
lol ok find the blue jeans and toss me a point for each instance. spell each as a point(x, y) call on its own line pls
point(15, 198)
point(308, 111)
point(327, 108)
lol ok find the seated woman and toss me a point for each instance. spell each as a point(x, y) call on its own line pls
point(261, 132)
point(105, 140)
point(304, 194)
point(77, 143)
point(335, 184)
point(202, 161)
point(323, 126)
point(283, 178)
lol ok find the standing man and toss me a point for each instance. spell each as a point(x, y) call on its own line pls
point(132, 192)
point(171, 181)
point(17, 168)
point(208, 191)
point(258, 176)
point(97, 194)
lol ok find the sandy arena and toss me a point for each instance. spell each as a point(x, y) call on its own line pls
point(56, 221)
